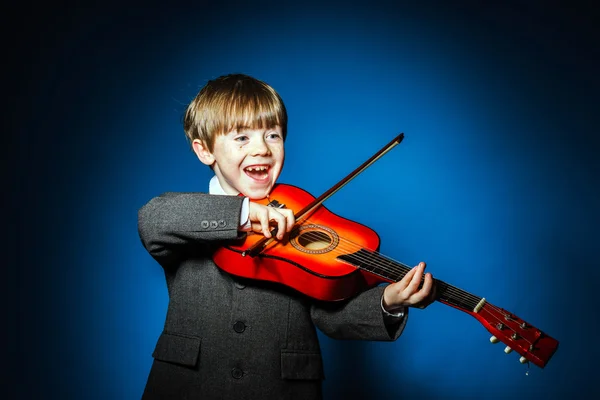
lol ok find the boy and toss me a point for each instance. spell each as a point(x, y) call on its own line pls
point(227, 337)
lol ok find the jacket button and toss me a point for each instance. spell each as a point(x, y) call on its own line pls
point(239, 327)
point(237, 373)
point(213, 224)
point(204, 224)
point(222, 223)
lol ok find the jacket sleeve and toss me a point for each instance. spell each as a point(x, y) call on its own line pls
point(359, 318)
point(173, 224)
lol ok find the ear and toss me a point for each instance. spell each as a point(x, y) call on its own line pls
point(201, 150)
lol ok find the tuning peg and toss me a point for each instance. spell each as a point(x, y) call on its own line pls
point(494, 340)
point(523, 360)
point(507, 349)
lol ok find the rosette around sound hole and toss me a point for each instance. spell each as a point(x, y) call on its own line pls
point(314, 239)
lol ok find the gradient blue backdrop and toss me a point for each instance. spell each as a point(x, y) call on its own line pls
point(495, 185)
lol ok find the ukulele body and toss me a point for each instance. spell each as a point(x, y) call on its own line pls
point(308, 259)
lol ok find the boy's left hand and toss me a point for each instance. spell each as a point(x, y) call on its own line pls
point(407, 293)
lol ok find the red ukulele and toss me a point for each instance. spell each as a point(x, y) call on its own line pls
point(331, 258)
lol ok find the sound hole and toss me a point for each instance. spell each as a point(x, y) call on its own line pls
point(314, 239)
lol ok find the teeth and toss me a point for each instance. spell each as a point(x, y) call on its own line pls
point(262, 168)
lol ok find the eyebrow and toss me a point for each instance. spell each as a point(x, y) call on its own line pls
point(247, 129)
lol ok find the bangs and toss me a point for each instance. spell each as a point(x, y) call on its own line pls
point(252, 111)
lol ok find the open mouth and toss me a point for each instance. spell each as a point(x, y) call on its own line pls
point(258, 172)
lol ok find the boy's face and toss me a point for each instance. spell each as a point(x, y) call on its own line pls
point(247, 161)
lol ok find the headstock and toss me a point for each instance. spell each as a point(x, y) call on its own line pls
point(531, 343)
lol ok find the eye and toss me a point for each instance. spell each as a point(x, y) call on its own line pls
point(273, 135)
point(241, 138)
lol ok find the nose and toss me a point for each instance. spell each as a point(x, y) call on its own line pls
point(260, 148)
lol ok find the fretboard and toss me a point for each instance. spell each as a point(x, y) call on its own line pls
point(393, 271)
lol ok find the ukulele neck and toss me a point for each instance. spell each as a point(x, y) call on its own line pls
point(393, 271)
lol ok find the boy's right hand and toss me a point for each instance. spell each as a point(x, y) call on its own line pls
point(264, 218)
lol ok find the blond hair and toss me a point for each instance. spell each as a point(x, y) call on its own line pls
point(231, 102)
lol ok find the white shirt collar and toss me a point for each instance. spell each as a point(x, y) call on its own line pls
point(214, 186)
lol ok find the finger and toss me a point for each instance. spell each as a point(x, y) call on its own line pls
point(280, 220)
point(263, 219)
point(419, 299)
point(426, 295)
point(289, 218)
point(403, 283)
point(256, 227)
point(427, 286)
point(415, 282)
point(433, 294)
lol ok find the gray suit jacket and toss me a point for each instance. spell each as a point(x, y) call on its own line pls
point(226, 337)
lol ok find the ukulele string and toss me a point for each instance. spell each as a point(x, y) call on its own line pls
point(467, 298)
point(389, 266)
point(346, 246)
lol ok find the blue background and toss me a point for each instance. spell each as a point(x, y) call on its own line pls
point(495, 185)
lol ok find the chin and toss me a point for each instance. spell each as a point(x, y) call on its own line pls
point(257, 194)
